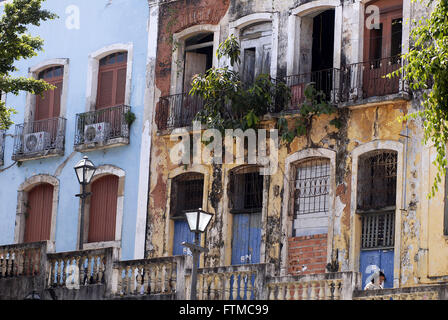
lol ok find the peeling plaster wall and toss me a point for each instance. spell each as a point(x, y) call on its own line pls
point(422, 245)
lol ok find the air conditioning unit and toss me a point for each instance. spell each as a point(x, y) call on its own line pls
point(97, 132)
point(37, 141)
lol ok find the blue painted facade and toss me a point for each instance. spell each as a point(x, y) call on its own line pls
point(102, 23)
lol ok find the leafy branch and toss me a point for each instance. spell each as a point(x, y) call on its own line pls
point(426, 70)
point(16, 44)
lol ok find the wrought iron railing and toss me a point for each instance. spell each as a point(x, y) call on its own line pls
point(101, 126)
point(39, 138)
point(368, 79)
point(177, 110)
point(326, 81)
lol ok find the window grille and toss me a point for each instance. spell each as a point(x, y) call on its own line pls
point(377, 180)
point(186, 193)
point(246, 190)
point(312, 187)
point(378, 230)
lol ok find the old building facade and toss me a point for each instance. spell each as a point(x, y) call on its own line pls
point(344, 202)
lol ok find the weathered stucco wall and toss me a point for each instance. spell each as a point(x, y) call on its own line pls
point(421, 246)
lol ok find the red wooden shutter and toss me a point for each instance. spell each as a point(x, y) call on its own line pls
point(105, 89)
point(121, 86)
point(112, 81)
point(43, 106)
point(49, 106)
point(103, 209)
point(57, 92)
point(38, 214)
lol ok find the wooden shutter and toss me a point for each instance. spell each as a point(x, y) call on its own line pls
point(121, 86)
point(378, 42)
point(195, 63)
point(43, 106)
point(49, 106)
point(103, 209)
point(38, 213)
point(112, 81)
point(105, 89)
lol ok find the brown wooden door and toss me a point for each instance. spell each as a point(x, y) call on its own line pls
point(38, 213)
point(103, 209)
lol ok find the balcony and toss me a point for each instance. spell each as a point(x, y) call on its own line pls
point(326, 81)
point(98, 274)
point(39, 139)
point(366, 82)
point(104, 128)
point(177, 111)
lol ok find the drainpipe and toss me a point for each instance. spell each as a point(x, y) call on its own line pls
point(405, 166)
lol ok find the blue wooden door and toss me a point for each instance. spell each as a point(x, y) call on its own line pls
point(181, 233)
point(373, 260)
point(246, 238)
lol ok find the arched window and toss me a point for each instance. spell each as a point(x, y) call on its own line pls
point(103, 209)
point(311, 196)
point(49, 106)
point(256, 47)
point(376, 201)
point(246, 202)
point(38, 213)
point(198, 57)
point(112, 80)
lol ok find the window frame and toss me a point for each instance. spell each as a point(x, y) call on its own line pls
point(93, 73)
point(178, 55)
point(31, 99)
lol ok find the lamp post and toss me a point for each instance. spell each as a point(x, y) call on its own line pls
point(198, 221)
point(84, 172)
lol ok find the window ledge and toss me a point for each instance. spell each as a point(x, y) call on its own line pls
point(101, 245)
point(377, 100)
point(38, 155)
point(111, 143)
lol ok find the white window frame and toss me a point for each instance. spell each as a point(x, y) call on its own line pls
point(287, 212)
point(236, 26)
point(93, 72)
point(355, 222)
point(294, 32)
point(177, 59)
point(33, 72)
point(22, 198)
point(100, 172)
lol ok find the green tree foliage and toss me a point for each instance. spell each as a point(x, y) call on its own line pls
point(426, 70)
point(315, 104)
point(228, 102)
point(17, 44)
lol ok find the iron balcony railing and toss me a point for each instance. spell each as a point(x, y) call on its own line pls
point(177, 110)
point(39, 138)
point(101, 126)
point(368, 79)
point(326, 81)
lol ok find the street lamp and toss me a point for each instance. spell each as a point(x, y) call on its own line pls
point(84, 172)
point(198, 221)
